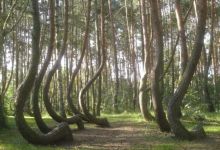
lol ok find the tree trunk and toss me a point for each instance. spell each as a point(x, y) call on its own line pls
point(62, 132)
point(143, 81)
point(183, 52)
point(99, 82)
point(61, 101)
point(78, 66)
point(36, 89)
point(116, 91)
point(131, 50)
point(178, 129)
point(157, 72)
point(207, 63)
point(46, 98)
point(2, 115)
point(103, 122)
point(3, 123)
point(180, 23)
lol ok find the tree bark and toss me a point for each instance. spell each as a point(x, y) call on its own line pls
point(177, 127)
point(61, 99)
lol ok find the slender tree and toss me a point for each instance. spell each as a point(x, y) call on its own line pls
point(143, 89)
point(157, 72)
point(116, 91)
point(180, 23)
point(207, 62)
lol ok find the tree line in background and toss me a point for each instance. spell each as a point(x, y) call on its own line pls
point(76, 59)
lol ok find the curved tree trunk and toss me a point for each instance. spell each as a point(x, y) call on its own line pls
point(143, 90)
point(143, 81)
point(157, 72)
point(78, 66)
point(184, 51)
point(62, 132)
point(179, 130)
point(46, 98)
point(103, 122)
point(35, 95)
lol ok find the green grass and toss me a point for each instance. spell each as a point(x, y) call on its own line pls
point(124, 117)
point(10, 139)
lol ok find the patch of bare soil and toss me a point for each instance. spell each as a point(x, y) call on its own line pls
point(131, 135)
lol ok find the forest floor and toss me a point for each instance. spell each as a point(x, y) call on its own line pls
point(127, 131)
point(130, 134)
point(135, 136)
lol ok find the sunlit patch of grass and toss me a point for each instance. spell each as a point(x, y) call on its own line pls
point(124, 117)
point(165, 147)
point(212, 116)
point(12, 140)
point(212, 123)
point(212, 129)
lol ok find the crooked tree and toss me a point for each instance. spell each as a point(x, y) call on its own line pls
point(46, 98)
point(157, 70)
point(62, 132)
point(143, 89)
point(103, 122)
point(177, 127)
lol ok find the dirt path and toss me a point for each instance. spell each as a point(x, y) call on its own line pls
point(119, 136)
point(132, 135)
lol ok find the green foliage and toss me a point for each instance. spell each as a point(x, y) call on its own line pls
point(9, 101)
point(124, 97)
point(192, 102)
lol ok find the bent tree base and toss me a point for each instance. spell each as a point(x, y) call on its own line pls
point(181, 132)
point(102, 122)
